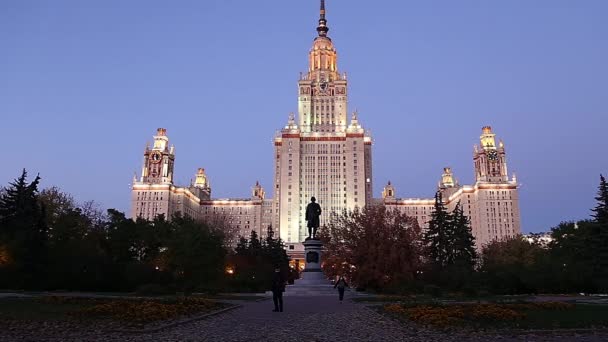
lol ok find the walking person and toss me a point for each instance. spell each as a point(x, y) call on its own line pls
point(341, 284)
point(278, 287)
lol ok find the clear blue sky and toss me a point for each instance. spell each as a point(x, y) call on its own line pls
point(84, 85)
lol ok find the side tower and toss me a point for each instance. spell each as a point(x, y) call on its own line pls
point(320, 154)
point(495, 213)
point(490, 160)
point(201, 186)
point(150, 196)
point(158, 161)
point(155, 193)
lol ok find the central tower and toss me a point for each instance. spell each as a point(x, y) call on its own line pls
point(320, 153)
point(323, 91)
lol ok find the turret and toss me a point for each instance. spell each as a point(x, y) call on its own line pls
point(201, 186)
point(487, 138)
point(447, 178)
point(258, 192)
point(388, 193)
point(161, 140)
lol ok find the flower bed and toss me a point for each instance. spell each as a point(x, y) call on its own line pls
point(135, 311)
point(438, 315)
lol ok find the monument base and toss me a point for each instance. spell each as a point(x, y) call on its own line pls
point(312, 281)
point(312, 278)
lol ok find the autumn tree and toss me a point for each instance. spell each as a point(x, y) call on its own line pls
point(376, 248)
point(225, 225)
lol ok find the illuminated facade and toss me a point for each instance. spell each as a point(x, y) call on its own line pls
point(155, 193)
point(322, 153)
point(492, 203)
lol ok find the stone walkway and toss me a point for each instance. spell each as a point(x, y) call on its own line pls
point(308, 319)
point(304, 319)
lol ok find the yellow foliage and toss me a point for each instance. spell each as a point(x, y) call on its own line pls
point(136, 311)
point(449, 315)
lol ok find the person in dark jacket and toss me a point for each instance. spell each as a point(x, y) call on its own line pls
point(278, 287)
point(341, 284)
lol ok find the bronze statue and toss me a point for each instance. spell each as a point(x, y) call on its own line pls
point(313, 211)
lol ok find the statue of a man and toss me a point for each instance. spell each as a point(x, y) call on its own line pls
point(313, 211)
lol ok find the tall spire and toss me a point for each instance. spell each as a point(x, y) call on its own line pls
point(322, 28)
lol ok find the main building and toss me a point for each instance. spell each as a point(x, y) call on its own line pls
point(326, 154)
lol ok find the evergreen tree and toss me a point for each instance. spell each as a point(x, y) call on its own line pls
point(242, 246)
point(275, 251)
point(255, 245)
point(437, 237)
point(23, 230)
point(463, 241)
point(463, 244)
point(597, 237)
point(601, 210)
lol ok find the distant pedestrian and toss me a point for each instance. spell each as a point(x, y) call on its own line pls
point(278, 287)
point(341, 284)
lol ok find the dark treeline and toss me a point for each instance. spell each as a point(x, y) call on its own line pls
point(386, 251)
point(49, 242)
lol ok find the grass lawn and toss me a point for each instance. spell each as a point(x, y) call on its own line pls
point(36, 310)
point(235, 297)
point(581, 316)
point(427, 298)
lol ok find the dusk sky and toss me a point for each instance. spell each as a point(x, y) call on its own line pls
point(85, 84)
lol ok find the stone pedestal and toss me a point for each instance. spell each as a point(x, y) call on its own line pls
point(313, 250)
point(312, 275)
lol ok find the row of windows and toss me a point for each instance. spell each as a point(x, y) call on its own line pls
point(150, 195)
point(503, 194)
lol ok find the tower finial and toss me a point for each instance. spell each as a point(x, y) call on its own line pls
point(322, 9)
point(322, 28)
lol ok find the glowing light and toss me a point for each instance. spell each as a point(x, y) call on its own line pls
point(5, 258)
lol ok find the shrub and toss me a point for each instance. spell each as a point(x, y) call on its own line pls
point(145, 311)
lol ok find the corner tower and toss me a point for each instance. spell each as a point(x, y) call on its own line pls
point(159, 161)
point(320, 153)
point(490, 160)
point(495, 211)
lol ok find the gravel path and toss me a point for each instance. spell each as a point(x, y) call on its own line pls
point(304, 319)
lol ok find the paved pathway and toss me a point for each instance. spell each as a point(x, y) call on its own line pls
point(310, 319)
point(319, 319)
